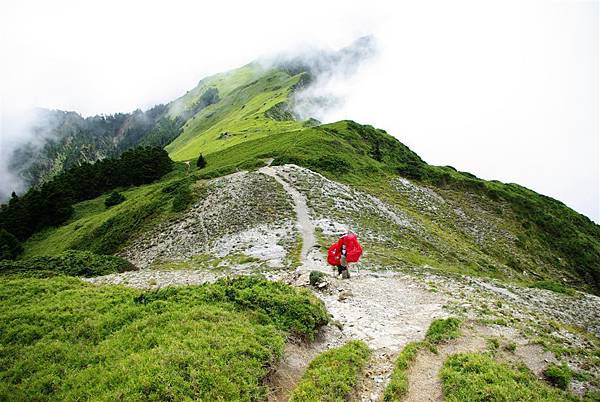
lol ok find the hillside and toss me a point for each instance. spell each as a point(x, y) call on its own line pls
point(177, 301)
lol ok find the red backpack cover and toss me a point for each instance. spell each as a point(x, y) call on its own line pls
point(353, 250)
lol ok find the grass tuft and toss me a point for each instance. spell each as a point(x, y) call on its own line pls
point(332, 374)
point(559, 376)
point(443, 330)
point(477, 377)
point(440, 330)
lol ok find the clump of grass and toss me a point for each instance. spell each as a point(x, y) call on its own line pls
point(510, 347)
point(115, 198)
point(398, 385)
point(440, 330)
point(477, 377)
point(63, 339)
point(443, 330)
point(553, 286)
point(332, 374)
point(559, 376)
point(493, 344)
point(316, 277)
point(70, 262)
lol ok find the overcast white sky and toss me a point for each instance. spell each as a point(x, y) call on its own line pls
point(505, 90)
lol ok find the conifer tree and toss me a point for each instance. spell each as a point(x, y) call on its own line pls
point(201, 162)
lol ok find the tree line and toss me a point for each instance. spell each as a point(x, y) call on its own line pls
point(51, 204)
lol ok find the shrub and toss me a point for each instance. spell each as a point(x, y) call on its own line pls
point(316, 277)
point(298, 312)
point(114, 198)
point(559, 376)
point(182, 198)
point(71, 262)
point(443, 329)
point(553, 286)
point(332, 374)
point(10, 247)
point(201, 162)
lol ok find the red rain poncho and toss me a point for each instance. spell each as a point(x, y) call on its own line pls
point(353, 250)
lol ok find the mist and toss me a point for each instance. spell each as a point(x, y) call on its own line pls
point(504, 90)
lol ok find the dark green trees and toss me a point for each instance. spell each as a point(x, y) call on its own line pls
point(51, 204)
point(114, 198)
point(10, 247)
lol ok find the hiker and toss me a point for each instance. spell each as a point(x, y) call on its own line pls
point(345, 250)
point(343, 267)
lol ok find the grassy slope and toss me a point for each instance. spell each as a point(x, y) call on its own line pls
point(104, 230)
point(536, 234)
point(525, 246)
point(477, 377)
point(245, 95)
point(212, 342)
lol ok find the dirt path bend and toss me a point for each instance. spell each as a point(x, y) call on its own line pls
point(424, 382)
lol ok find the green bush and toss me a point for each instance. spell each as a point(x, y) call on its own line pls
point(71, 262)
point(553, 286)
point(477, 377)
point(332, 374)
point(443, 329)
point(10, 247)
point(114, 198)
point(559, 376)
point(63, 339)
point(201, 162)
point(182, 198)
point(299, 312)
point(316, 277)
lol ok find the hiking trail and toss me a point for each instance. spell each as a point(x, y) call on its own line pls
point(385, 310)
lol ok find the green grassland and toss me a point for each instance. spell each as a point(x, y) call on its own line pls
point(246, 97)
point(62, 339)
point(102, 230)
point(534, 237)
point(478, 377)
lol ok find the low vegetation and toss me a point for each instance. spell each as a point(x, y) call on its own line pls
point(316, 277)
point(553, 286)
point(440, 330)
point(558, 375)
point(332, 375)
point(211, 342)
point(71, 262)
point(478, 377)
point(115, 198)
point(397, 388)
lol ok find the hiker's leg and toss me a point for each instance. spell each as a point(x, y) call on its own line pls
point(345, 273)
